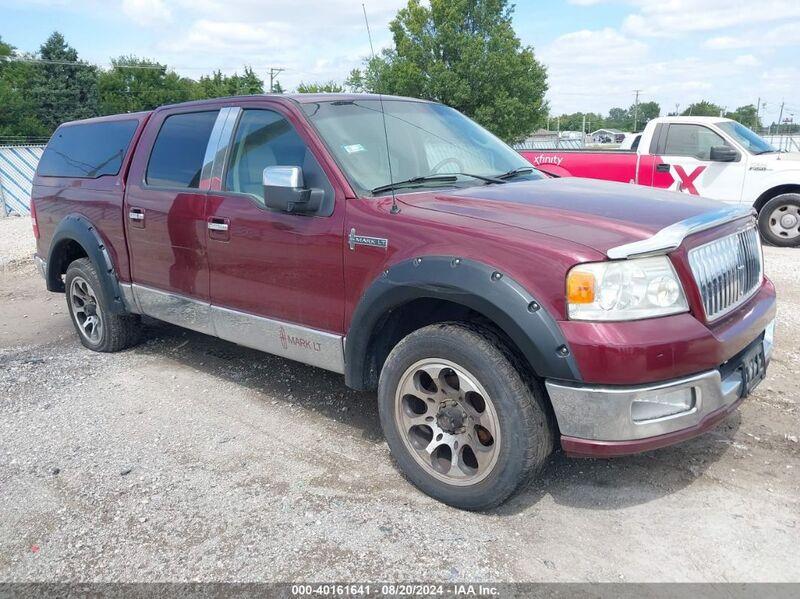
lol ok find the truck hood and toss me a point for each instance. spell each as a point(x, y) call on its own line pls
point(777, 161)
point(596, 214)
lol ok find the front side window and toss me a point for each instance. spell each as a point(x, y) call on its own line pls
point(265, 138)
point(87, 150)
point(177, 157)
point(748, 139)
point(691, 140)
point(422, 138)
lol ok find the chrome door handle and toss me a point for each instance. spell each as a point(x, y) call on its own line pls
point(212, 226)
point(136, 215)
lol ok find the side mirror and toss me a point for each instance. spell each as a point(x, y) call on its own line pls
point(284, 190)
point(723, 154)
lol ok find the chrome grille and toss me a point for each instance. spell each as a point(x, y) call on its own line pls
point(728, 271)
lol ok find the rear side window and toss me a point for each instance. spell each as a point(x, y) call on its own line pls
point(87, 151)
point(177, 157)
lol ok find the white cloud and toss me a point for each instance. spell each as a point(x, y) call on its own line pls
point(146, 12)
point(595, 70)
point(603, 48)
point(727, 42)
point(674, 17)
point(781, 36)
point(746, 60)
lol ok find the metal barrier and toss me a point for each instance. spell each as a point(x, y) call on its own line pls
point(17, 166)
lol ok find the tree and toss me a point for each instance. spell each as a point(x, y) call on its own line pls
point(277, 88)
point(328, 87)
point(703, 108)
point(18, 122)
point(64, 88)
point(355, 82)
point(575, 121)
point(747, 115)
point(647, 111)
point(619, 118)
point(463, 53)
point(218, 85)
point(133, 84)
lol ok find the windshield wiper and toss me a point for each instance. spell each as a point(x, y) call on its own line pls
point(415, 181)
point(443, 178)
point(773, 151)
point(516, 171)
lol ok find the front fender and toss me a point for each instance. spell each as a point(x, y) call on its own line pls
point(78, 229)
point(472, 284)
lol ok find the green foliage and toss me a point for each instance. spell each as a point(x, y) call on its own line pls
point(747, 116)
point(218, 85)
point(647, 112)
point(328, 87)
point(40, 91)
point(17, 120)
point(574, 121)
point(133, 84)
point(703, 108)
point(618, 118)
point(463, 53)
point(64, 88)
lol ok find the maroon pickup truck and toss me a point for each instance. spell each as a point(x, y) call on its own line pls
point(498, 312)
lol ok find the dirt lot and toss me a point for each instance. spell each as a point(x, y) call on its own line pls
point(189, 458)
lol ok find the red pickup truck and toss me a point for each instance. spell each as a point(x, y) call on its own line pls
point(497, 312)
point(707, 156)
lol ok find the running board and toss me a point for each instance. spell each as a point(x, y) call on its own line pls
point(303, 344)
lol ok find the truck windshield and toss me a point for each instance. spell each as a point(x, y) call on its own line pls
point(746, 138)
point(424, 140)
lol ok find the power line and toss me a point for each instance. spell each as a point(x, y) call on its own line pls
point(155, 67)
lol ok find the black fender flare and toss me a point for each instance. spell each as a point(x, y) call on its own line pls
point(77, 228)
point(473, 284)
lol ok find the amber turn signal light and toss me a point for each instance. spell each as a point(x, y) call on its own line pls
point(580, 287)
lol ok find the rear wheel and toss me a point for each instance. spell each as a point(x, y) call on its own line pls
point(779, 220)
point(460, 420)
point(97, 329)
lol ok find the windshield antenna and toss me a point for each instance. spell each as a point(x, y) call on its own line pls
point(395, 207)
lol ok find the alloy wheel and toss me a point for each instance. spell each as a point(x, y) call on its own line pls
point(447, 421)
point(86, 309)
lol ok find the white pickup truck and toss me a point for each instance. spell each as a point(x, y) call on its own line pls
point(707, 156)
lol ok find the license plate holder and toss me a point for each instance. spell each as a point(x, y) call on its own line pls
point(753, 368)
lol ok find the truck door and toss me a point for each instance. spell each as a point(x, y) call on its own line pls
point(284, 268)
point(165, 218)
point(684, 153)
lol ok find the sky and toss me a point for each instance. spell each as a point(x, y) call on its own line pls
point(597, 52)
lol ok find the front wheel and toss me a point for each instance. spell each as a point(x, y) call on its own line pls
point(460, 420)
point(98, 329)
point(779, 220)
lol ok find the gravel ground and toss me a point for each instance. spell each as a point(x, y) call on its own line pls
point(189, 458)
point(16, 241)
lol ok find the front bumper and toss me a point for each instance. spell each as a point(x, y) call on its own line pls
point(606, 421)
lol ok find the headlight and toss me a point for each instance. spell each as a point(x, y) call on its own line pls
point(624, 290)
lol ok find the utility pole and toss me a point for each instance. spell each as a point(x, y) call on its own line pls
point(636, 110)
point(583, 131)
point(273, 73)
point(777, 132)
point(758, 111)
point(677, 109)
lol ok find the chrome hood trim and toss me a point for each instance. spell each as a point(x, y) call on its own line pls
point(669, 238)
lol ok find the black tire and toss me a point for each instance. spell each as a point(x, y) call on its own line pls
point(769, 214)
point(116, 331)
point(526, 432)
